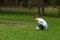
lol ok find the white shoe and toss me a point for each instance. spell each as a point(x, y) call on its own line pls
point(37, 28)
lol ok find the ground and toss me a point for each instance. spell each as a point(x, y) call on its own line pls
point(25, 30)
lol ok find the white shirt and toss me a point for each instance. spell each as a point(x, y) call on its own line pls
point(43, 22)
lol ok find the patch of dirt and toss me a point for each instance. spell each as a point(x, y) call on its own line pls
point(15, 23)
point(10, 23)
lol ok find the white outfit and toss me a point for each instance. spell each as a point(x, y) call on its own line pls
point(43, 22)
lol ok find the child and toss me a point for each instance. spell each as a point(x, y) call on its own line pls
point(41, 23)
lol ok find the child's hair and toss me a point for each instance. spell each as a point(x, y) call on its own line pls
point(36, 16)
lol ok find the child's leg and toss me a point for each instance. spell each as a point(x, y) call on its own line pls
point(41, 27)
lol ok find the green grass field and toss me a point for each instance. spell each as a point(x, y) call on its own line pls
point(26, 30)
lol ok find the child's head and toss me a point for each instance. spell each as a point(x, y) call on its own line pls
point(36, 17)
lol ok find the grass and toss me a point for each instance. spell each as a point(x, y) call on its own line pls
point(19, 12)
point(16, 18)
point(26, 31)
point(51, 12)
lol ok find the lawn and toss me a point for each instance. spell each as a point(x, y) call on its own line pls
point(26, 30)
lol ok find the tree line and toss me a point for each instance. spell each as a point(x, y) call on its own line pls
point(32, 3)
point(25, 2)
